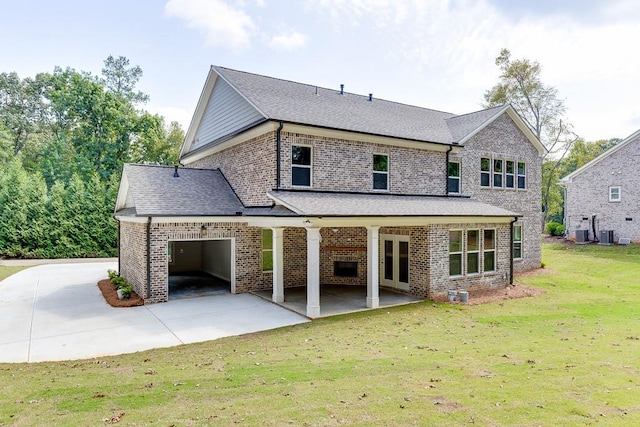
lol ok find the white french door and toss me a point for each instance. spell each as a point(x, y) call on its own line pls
point(394, 261)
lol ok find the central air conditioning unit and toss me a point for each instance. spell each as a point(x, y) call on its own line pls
point(582, 236)
point(606, 237)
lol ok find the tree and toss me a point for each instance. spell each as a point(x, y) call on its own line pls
point(539, 107)
point(121, 79)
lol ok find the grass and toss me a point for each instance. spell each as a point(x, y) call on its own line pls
point(6, 271)
point(568, 357)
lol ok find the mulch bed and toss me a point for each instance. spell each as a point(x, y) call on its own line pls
point(111, 295)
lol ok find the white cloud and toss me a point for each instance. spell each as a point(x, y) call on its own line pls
point(219, 23)
point(288, 41)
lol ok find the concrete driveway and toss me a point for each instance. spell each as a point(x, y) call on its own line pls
point(56, 312)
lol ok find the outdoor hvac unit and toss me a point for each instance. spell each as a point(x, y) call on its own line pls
point(582, 236)
point(606, 237)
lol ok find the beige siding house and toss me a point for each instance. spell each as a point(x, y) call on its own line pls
point(289, 185)
point(602, 200)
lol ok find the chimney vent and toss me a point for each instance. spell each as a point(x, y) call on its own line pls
point(341, 89)
point(175, 172)
point(370, 97)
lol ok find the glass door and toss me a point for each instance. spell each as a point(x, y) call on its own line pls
point(394, 261)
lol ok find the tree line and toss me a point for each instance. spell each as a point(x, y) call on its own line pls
point(64, 137)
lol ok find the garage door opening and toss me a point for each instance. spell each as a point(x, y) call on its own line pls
point(201, 267)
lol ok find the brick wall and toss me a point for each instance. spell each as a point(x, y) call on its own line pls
point(343, 244)
point(503, 140)
point(133, 255)
point(249, 167)
point(588, 194)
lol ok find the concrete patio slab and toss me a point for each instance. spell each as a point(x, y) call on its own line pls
point(56, 312)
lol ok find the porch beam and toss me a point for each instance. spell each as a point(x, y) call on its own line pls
point(278, 265)
point(313, 272)
point(373, 279)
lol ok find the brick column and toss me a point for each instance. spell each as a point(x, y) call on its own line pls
point(373, 279)
point(278, 265)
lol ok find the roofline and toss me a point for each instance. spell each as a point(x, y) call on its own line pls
point(364, 193)
point(513, 114)
point(567, 179)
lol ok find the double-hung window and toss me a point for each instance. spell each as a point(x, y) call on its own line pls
point(485, 172)
point(453, 182)
point(489, 250)
point(522, 176)
point(301, 166)
point(614, 194)
point(380, 172)
point(267, 249)
point(497, 173)
point(455, 253)
point(509, 174)
point(473, 251)
point(517, 242)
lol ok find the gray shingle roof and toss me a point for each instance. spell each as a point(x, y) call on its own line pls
point(461, 126)
point(307, 104)
point(198, 192)
point(311, 203)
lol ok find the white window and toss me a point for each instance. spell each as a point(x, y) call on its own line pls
point(614, 194)
point(522, 176)
point(517, 241)
point(267, 249)
point(301, 166)
point(485, 172)
point(510, 174)
point(497, 173)
point(455, 253)
point(453, 182)
point(489, 250)
point(473, 251)
point(380, 172)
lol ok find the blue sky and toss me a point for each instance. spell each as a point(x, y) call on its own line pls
point(437, 54)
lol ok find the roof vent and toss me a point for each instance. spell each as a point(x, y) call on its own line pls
point(175, 172)
point(370, 97)
point(341, 89)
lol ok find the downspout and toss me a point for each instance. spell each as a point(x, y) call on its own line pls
point(446, 171)
point(511, 252)
point(149, 258)
point(119, 252)
point(278, 155)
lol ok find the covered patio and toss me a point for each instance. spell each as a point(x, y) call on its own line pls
point(337, 299)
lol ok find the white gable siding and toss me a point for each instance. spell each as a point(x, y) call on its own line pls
point(227, 112)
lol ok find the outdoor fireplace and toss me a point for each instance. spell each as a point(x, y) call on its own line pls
point(345, 268)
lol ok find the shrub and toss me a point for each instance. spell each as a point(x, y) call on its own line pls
point(126, 291)
point(555, 228)
point(112, 274)
point(119, 282)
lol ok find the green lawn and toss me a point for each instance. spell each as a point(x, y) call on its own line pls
point(8, 271)
point(568, 357)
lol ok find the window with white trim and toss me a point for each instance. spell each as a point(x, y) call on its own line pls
point(489, 250)
point(380, 172)
point(485, 172)
point(510, 174)
point(455, 253)
point(517, 241)
point(301, 165)
point(522, 176)
point(473, 251)
point(497, 173)
point(614, 194)
point(267, 249)
point(453, 181)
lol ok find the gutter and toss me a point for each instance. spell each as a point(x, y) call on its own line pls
point(149, 258)
point(278, 142)
point(511, 252)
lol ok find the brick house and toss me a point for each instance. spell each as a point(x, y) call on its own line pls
point(288, 185)
point(602, 198)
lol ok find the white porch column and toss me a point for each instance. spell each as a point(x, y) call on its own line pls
point(313, 272)
point(278, 265)
point(373, 289)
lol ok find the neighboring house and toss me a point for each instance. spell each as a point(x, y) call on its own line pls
point(602, 198)
point(288, 184)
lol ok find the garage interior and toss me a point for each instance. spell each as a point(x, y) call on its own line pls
point(199, 268)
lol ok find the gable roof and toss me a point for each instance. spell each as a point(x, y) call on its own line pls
point(277, 100)
point(634, 137)
point(154, 191)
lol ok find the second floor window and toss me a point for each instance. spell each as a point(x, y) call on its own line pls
point(614, 194)
point(485, 172)
point(500, 173)
point(380, 172)
point(509, 174)
point(453, 182)
point(301, 166)
point(522, 176)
